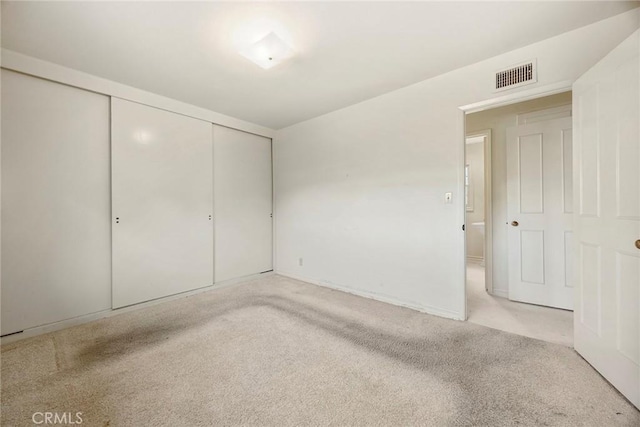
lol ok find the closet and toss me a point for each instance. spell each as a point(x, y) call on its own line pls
point(56, 235)
point(243, 210)
point(162, 186)
point(108, 203)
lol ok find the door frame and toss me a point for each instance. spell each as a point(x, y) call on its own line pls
point(488, 207)
point(498, 101)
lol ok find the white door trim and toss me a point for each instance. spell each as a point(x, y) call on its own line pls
point(520, 96)
point(488, 209)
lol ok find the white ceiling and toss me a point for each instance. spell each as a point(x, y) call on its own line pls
point(345, 52)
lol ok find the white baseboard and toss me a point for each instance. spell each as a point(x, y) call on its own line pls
point(500, 293)
point(436, 311)
point(67, 323)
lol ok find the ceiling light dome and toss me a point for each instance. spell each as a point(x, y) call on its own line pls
point(268, 52)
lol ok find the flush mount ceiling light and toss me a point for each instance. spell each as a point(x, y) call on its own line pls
point(268, 52)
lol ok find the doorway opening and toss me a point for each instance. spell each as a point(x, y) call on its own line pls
point(518, 187)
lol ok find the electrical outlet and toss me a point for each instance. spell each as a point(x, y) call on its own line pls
point(448, 198)
point(300, 262)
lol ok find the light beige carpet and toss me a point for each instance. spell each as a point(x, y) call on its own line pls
point(534, 321)
point(277, 352)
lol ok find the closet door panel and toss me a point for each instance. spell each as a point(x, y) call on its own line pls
point(243, 203)
point(56, 231)
point(162, 203)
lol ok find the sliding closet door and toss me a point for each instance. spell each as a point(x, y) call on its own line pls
point(56, 236)
point(162, 203)
point(243, 203)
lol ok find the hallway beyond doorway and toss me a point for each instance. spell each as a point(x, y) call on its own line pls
point(544, 323)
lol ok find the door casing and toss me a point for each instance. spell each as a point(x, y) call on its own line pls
point(488, 208)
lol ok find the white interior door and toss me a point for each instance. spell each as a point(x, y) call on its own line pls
point(540, 206)
point(56, 232)
point(162, 185)
point(606, 103)
point(243, 203)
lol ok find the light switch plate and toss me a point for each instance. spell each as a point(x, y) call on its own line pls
point(448, 198)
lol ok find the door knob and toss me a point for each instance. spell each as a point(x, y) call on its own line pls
point(515, 223)
point(638, 243)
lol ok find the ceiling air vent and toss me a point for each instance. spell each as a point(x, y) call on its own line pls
point(519, 75)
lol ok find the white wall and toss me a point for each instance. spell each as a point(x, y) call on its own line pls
point(360, 191)
point(498, 120)
point(475, 160)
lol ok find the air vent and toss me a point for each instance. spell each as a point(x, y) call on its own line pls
point(519, 75)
